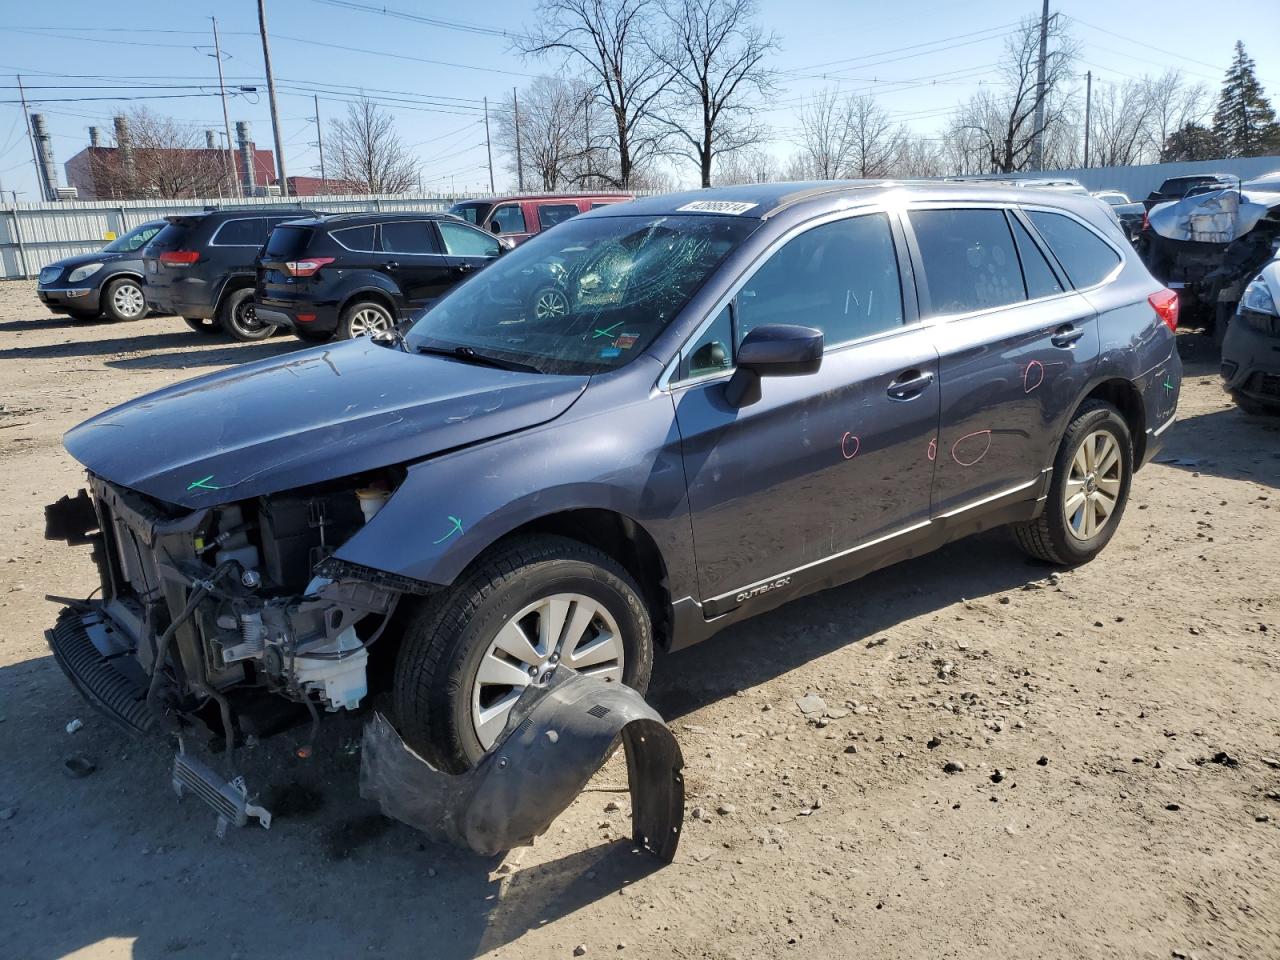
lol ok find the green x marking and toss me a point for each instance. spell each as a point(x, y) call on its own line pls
point(1168, 384)
point(607, 331)
point(457, 528)
point(204, 484)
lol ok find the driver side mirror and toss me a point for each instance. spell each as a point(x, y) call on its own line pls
point(772, 350)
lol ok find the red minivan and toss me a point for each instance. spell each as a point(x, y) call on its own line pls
point(519, 218)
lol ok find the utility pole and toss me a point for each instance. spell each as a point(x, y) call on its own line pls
point(271, 98)
point(1037, 144)
point(320, 142)
point(515, 102)
point(31, 137)
point(488, 146)
point(1088, 103)
point(229, 156)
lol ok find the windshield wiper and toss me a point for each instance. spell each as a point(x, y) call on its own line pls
point(470, 355)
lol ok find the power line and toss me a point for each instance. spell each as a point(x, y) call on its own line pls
point(1144, 42)
point(460, 25)
point(914, 46)
point(402, 56)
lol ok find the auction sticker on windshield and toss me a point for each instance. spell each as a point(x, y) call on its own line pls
point(734, 207)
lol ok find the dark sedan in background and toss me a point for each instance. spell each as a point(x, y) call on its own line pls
point(107, 282)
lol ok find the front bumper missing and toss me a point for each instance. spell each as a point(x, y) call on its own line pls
point(557, 736)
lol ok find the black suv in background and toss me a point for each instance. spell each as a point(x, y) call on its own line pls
point(200, 267)
point(106, 282)
point(1175, 188)
point(351, 274)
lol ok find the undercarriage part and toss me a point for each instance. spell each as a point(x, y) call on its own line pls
point(557, 736)
point(229, 799)
point(101, 676)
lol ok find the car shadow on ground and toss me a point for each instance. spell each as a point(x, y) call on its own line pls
point(158, 351)
point(51, 323)
point(1213, 443)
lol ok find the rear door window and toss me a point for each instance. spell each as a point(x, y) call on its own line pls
point(549, 214)
point(249, 232)
point(1040, 278)
point(463, 241)
point(969, 260)
point(1087, 258)
point(408, 236)
point(510, 218)
point(840, 278)
point(359, 239)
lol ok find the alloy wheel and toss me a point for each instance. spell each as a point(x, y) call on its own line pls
point(369, 320)
point(550, 303)
point(247, 318)
point(562, 628)
point(1092, 489)
point(128, 300)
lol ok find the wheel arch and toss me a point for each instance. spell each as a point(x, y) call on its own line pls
point(125, 275)
point(384, 297)
point(1125, 397)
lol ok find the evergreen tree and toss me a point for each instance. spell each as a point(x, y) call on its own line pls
point(1191, 141)
point(1244, 123)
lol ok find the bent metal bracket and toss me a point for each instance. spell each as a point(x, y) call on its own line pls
point(557, 736)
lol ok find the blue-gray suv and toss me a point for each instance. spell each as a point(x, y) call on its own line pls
point(745, 395)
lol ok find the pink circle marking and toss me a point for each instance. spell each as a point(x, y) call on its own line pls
point(1033, 376)
point(970, 460)
point(933, 449)
point(844, 446)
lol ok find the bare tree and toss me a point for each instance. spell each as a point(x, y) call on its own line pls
point(1120, 123)
point(609, 39)
point(367, 152)
point(875, 141)
point(919, 157)
point(1004, 122)
point(716, 56)
point(163, 158)
point(826, 141)
point(1175, 103)
point(752, 165)
point(553, 141)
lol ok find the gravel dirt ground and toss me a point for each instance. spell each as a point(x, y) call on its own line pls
point(1117, 726)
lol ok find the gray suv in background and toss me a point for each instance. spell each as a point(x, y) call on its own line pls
point(751, 393)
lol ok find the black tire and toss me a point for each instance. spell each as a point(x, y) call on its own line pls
point(548, 303)
point(200, 325)
point(123, 300)
point(445, 641)
point(1048, 537)
point(356, 317)
point(236, 317)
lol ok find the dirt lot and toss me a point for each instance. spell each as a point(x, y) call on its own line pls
point(1116, 725)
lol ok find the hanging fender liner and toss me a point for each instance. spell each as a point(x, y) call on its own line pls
point(557, 736)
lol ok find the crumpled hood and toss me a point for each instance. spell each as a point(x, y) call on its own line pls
point(306, 417)
point(1217, 217)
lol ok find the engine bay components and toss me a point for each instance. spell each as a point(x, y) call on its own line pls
point(557, 736)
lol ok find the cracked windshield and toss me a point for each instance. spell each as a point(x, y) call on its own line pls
point(585, 298)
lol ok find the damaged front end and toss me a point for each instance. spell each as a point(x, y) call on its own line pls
point(233, 616)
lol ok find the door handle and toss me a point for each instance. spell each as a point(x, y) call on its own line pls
point(910, 384)
point(392, 264)
point(465, 267)
point(1066, 335)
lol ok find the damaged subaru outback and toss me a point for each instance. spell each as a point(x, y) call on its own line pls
point(654, 421)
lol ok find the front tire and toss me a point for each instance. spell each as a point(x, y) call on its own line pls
point(123, 300)
point(511, 617)
point(1089, 491)
point(236, 316)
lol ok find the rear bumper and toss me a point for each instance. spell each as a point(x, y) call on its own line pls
point(182, 296)
point(68, 299)
point(1160, 389)
point(1251, 363)
point(286, 313)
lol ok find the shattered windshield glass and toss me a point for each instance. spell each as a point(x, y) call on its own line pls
point(585, 297)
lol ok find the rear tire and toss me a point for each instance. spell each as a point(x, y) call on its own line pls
point(362, 318)
point(123, 300)
point(236, 316)
point(200, 325)
point(439, 695)
point(1089, 490)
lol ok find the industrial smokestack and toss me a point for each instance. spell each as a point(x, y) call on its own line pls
point(245, 146)
point(124, 144)
point(210, 141)
point(95, 137)
point(44, 151)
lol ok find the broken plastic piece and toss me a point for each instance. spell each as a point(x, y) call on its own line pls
point(229, 799)
point(556, 737)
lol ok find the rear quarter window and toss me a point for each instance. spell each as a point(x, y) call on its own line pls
point(249, 232)
point(355, 238)
point(1086, 257)
point(286, 242)
point(549, 214)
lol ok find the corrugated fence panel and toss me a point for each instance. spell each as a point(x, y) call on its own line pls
point(1137, 182)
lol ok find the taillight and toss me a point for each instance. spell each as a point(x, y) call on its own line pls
point(306, 268)
point(179, 258)
point(1165, 304)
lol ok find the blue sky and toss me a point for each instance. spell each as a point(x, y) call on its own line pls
point(919, 58)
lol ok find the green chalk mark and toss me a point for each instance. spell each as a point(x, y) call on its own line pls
point(1168, 384)
point(457, 528)
point(204, 484)
point(607, 331)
